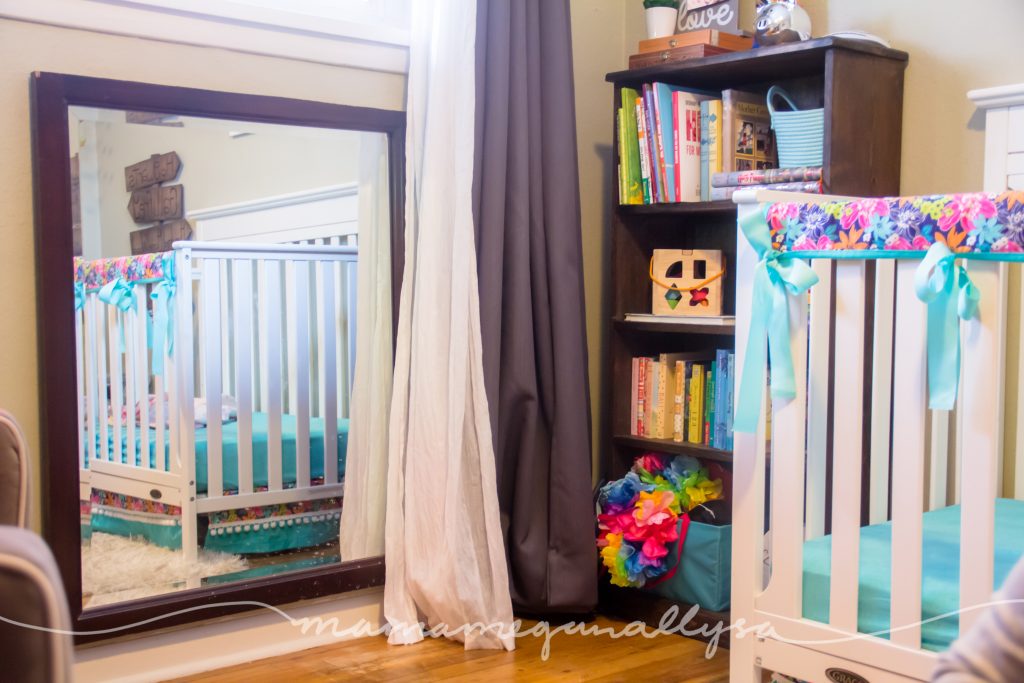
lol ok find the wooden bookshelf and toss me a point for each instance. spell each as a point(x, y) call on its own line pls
point(860, 87)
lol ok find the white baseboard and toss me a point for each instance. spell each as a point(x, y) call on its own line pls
point(219, 643)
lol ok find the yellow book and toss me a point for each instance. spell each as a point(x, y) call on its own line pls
point(677, 401)
point(664, 392)
point(696, 422)
point(651, 403)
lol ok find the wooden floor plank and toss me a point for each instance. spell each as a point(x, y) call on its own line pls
point(573, 657)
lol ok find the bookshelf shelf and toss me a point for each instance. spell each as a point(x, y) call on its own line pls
point(681, 327)
point(640, 443)
point(678, 209)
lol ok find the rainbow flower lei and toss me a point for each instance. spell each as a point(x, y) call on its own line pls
point(639, 514)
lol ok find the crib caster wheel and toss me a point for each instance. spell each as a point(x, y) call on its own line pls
point(155, 494)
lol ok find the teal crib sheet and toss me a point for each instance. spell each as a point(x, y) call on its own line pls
point(940, 571)
point(260, 440)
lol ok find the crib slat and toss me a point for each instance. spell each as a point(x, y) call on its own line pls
point(982, 393)
point(290, 338)
point(130, 385)
point(211, 311)
point(939, 460)
point(1018, 478)
point(320, 386)
point(116, 383)
point(300, 352)
point(340, 327)
point(818, 399)
point(142, 373)
point(881, 387)
point(847, 443)
point(909, 425)
point(783, 595)
point(81, 387)
point(243, 369)
point(272, 340)
point(91, 382)
point(227, 332)
point(328, 373)
point(101, 367)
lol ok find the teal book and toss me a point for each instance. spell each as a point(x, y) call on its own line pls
point(705, 151)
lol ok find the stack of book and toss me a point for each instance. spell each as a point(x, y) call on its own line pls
point(806, 179)
point(686, 397)
point(672, 141)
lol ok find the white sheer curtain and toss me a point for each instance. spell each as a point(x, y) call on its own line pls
point(362, 514)
point(444, 551)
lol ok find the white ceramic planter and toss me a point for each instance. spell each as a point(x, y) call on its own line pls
point(661, 21)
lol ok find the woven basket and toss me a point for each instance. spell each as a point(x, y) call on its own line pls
point(800, 135)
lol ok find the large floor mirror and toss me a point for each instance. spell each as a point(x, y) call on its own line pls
point(198, 257)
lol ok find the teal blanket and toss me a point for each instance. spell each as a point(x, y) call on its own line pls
point(940, 571)
point(229, 440)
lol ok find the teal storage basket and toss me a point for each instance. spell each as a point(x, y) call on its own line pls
point(799, 134)
point(705, 572)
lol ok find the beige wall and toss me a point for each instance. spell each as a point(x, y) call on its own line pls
point(952, 49)
point(26, 47)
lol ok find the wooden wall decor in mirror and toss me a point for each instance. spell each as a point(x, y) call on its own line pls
point(197, 255)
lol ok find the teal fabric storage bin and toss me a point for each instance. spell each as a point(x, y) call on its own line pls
point(704, 575)
point(799, 134)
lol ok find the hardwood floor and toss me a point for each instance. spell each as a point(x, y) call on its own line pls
point(572, 657)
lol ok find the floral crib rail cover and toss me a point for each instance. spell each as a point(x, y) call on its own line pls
point(941, 230)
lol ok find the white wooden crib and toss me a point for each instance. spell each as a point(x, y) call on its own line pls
point(270, 325)
point(843, 337)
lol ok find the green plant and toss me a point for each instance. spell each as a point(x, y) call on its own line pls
point(648, 4)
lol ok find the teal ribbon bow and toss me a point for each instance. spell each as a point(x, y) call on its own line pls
point(120, 294)
point(163, 317)
point(79, 296)
point(778, 276)
point(945, 287)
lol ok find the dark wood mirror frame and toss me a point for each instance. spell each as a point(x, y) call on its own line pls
point(52, 94)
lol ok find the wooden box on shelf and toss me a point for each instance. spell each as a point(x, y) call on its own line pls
point(686, 282)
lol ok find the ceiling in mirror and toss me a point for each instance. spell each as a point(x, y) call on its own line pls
point(215, 279)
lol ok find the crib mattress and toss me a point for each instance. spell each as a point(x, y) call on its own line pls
point(940, 571)
point(260, 439)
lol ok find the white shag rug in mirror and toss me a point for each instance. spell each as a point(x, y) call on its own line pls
point(117, 568)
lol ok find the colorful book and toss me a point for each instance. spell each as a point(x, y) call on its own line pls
point(748, 143)
point(696, 415)
point(730, 401)
point(722, 365)
point(641, 396)
point(645, 154)
point(631, 159)
point(812, 187)
point(657, 152)
point(634, 392)
point(677, 401)
point(767, 176)
point(709, 403)
point(714, 143)
point(686, 169)
point(651, 397)
point(705, 151)
point(620, 168)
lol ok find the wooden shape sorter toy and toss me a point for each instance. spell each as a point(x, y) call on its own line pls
point(687, 282)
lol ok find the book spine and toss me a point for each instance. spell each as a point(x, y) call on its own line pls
point(645, 154)
point(705, 150)
point(677, 402)
point(634, 184)
point(687, 373)
point(654, 144)
point(767, 176)
point(651, 407)
point(689, 166)
point(641, 396)
point(634, 394)
point(719, 193)
point(722, 367)
point(709, 404)
point(664, 410)
point(715, 132)
point(677, 146)
point(731, 400)
point(696, 418)
point(620, 130)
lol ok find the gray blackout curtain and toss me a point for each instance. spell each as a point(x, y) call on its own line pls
point(529, 262)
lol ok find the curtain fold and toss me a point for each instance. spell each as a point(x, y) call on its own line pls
point(527, 217)
point(362, 514)
point(445, 557)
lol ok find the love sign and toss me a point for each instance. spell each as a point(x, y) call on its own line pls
point(719, 15)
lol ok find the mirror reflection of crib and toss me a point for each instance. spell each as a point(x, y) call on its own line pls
point(217, 412)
